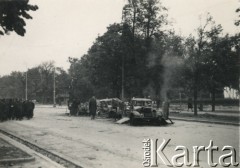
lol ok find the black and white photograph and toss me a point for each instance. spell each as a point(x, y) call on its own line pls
point(119, 83)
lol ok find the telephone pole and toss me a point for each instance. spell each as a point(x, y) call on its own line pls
point(122, 77)
point(26, 86)
point(54, 89)
point(123, 61)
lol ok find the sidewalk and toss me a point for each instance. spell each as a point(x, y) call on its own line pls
point(15, 155)
point(218, 113)
point(9, 154)
point(225, 118)
point(205, 121)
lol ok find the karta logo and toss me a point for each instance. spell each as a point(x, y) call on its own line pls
point(154, 153)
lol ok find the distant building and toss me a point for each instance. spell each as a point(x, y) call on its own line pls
point(62, 98)
point(231, 93)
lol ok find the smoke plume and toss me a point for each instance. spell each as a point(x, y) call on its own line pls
point(170, 62)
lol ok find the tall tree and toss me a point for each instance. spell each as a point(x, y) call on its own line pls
point(221, 63)
point(80, 85)
point(213, 62)
point(34, 82)
point(146, 18)
point(12, 86)
point(196, 47)
point(152, 18)
point(46, 70)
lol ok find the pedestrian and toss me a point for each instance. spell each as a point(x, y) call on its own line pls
point(70, 107)
point(5, 110)
point(190, 106)
point(74, 107)
point(19, 109)
point(30, 108)
point(24, 108)
point(92, 107)
point(200, 107)
point(11, 111)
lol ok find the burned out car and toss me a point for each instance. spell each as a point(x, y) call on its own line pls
point(142, 110)
point(111, 108)
point(83, 109)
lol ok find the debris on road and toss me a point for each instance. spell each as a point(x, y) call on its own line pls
point(123, 120)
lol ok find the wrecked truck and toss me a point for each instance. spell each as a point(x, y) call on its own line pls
point(142, 111)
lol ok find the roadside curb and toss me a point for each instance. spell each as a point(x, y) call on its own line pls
point(54, 157)
point(15, 160)
point(205, 121)
point(18, 160)
point(38, 157)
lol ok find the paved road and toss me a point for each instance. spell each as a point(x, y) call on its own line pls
point(102, 143)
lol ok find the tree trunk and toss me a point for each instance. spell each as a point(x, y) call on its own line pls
point(195, 93)
point(213, 99)
point(133, 35)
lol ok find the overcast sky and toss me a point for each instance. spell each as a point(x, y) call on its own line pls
point(63, 28)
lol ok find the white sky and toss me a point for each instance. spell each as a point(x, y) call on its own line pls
point(63, 28)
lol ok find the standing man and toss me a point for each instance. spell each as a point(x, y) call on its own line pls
point(29, 109)
point(92, 107)
point(18, 109)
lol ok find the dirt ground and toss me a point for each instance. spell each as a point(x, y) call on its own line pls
point(102, 143)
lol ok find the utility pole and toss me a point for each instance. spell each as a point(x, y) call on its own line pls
point(123, 60)
point(122, 77)
point(26, 86)
point(54, 89)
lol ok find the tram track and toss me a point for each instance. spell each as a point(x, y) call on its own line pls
point(54, 157)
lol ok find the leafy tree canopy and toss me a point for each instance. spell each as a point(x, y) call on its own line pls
point(12, 15)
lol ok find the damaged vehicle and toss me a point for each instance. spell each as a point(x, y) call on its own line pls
point(83, 109)
point(111, 108)
point(142, 111)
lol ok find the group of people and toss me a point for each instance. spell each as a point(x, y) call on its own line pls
point(15, 109)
